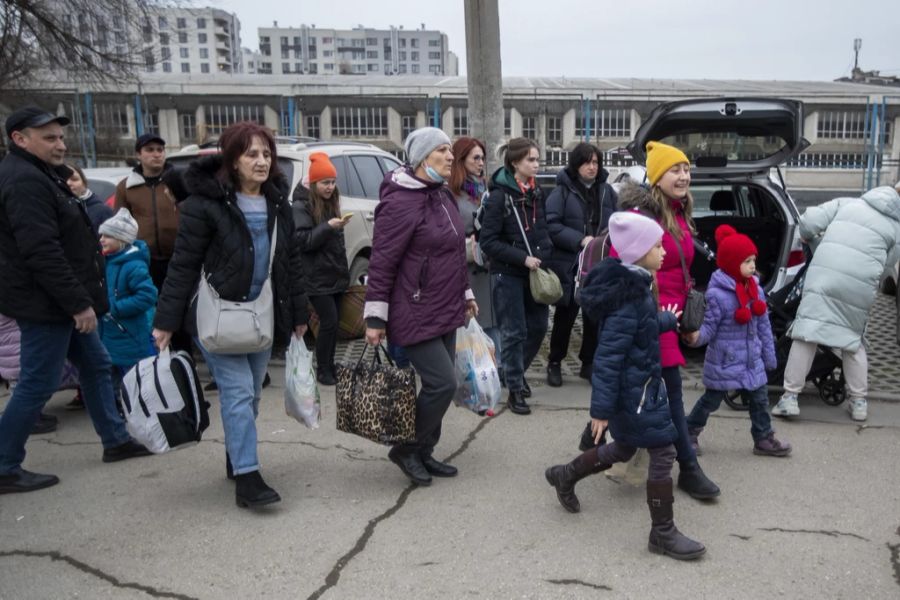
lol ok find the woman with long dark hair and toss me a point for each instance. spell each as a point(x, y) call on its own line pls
point(226, 228)
point(577, 211)
point(514, 200)
point(320, 234)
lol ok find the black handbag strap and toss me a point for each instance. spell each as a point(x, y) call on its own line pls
point(376, 357)
point(688, 282)
point(519, 221)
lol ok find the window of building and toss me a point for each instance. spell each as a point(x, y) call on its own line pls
point(434, 43)
point(265, 68)
point(414, 69)
point(434, 69)
point(371, 41)
point(414, 56)
point(605, 123)
point(507, 122)
point(359, 122)
point(201, 23)
point(327, 53)
point(402, 55)
point(461, 121)
point(312, 126)
point(403, 42)
point(284, 40)
point(407, 126)
point(184, 52)
point(313, 68)
point(402, 69)
point(329, 66)
point(830, 160)
point(181, 23)
point(163, 22)
point(529, 127)
point(842, 125)
point(201, 38)
point(285, 67)
point(298, 67)
point(167, 67)
point(434, 56)
point(182, 37)
point(388, 69)
point(371, 53)
point(327, 40)
point(204, 52)
point(554, 131)
point(373, 67)
point(285, 52)
point(111, 119)
point(359, 68)
point(149, 61)
point(165, 52)
point(185, 67)
point(187, 127)
point(204, 67)
point(148, 36)
point(414, 43)
point(151, 120)
point(220, 116)
point(164, 39)
point(311, 52)
point(119, 37)
point(358, 43)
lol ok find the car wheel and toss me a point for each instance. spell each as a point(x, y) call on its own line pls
point(359, 270)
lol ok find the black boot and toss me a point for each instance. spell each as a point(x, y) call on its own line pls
point(229, 470)
point(564, 478)
point(526, 389)
point(587, 439)
point(554, 374)
point(694, 481)
point(664, 536)
point(251, 491)
point(410, 463)
point(516, 403)
point(438, 468)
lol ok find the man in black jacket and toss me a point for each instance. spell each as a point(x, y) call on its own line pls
point(53, 285)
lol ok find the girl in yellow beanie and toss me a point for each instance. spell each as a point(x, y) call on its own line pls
point(669, 175)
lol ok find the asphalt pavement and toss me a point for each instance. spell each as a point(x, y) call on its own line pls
point(822, 523)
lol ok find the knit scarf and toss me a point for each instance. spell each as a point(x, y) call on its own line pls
point(748, 293)
point(475, 189)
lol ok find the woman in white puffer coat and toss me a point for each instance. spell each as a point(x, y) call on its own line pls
point(854, 240)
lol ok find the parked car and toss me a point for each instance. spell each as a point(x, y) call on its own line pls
point(103, 181)
point(736, 146)
point(890, 284)
point(360, 169)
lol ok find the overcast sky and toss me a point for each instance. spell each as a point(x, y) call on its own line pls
point(697, 39)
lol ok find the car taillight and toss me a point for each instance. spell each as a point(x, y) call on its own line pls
point(795, 258)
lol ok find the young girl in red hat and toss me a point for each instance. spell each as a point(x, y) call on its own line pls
point(741, 348)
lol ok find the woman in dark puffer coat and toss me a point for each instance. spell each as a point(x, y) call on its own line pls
point(629, 392)
point(226, 228)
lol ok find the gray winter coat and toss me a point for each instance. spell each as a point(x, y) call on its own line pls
point(855, 239)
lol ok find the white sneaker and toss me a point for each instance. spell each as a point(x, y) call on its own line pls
point(787, 406)
point(858, 409)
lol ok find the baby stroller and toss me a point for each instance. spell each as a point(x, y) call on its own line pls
point(827, 371)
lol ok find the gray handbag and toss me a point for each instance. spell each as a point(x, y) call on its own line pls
point(544, 284)
point(230, 327)
point(695, 304)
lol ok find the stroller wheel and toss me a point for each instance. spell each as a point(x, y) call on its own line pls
point(735, 401)
point(832, 389)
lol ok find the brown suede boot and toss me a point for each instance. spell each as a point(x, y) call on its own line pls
point(664, 536)
point(564, 477)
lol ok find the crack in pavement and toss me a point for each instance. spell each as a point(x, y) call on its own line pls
point(829, 533)
point(331, 580)
point(861, 428)
point(594, 586)
point(746, 538)
point(85, 568)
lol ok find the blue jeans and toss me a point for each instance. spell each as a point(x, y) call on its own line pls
point(45, 347)
point(757, 400)
point(523, 323)
point(239, 378)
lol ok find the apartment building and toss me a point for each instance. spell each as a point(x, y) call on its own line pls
point(191, 40)
point(307, 50)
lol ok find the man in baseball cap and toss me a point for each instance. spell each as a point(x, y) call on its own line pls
point(32, 117)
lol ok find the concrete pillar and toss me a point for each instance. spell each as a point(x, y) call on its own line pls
point(132, 121)
point(542, 130)
point(485, 75)
point(421, 119)
point(568, 128)
point(447, 121)
point(200, 121)
point(635, 123)
point(395, 128)
point(325, 124)
point(515, 123)
point(169, 129)
point(811, 127)
point(272, 120)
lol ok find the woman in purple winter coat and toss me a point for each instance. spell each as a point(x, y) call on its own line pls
point(741, 348)
point(418, 288)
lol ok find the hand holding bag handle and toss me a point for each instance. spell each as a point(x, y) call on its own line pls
point(544, 284)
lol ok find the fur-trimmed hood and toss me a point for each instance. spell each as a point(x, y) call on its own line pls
point(200, 178)
point(633, 196)
point(611, 285)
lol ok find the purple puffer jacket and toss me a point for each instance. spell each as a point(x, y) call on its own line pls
point(10, 343)
point(418, 281)
point(738, 356)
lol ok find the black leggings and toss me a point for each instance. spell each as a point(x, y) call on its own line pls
point(661, 458)
point(328, 310)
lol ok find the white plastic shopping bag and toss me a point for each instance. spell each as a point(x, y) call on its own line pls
point(476, 370)
point(301, 394)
